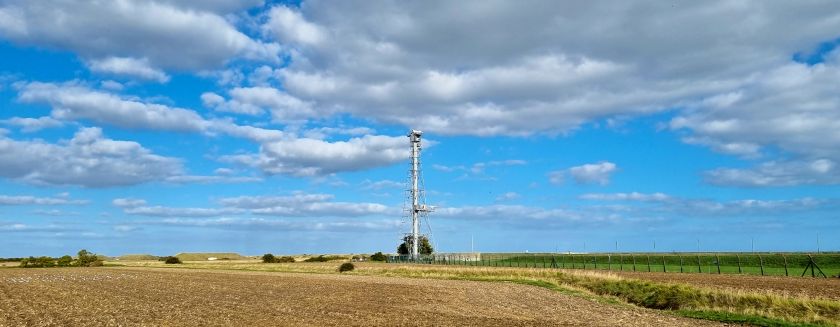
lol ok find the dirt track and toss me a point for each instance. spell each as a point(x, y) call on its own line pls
point(798, 286)
point(138, 296)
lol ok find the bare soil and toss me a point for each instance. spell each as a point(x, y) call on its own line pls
point(828, 288)
point(175, 297)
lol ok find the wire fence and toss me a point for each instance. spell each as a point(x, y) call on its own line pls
point(763, 264)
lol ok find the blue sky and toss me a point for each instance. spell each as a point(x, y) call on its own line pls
point(173, 126)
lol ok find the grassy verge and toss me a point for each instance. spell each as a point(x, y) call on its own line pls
point(755, 308)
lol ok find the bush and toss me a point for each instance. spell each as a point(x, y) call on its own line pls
point(322, 258)
point(172, 260)
point(268, 258)
point(346, 267)
point(378, 256)
point(65, 261)
point(284, 259)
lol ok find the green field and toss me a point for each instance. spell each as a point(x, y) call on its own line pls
point(770, 264)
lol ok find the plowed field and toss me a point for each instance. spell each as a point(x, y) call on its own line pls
point(148, 296)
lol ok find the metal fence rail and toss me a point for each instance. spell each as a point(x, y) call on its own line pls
point(763, 264)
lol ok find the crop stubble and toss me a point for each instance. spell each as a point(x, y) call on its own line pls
point(145, 296)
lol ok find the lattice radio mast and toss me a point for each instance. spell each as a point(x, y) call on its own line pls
point(417, 208)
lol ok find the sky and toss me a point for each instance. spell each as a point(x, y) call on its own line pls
point(166, 126)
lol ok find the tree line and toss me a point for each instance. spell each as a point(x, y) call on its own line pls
point(83, 259)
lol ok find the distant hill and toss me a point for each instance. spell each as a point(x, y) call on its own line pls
point(204, 256)
point(137, 257)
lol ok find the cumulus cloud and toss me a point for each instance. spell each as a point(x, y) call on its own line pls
point(313, 157)
point(256, 100)
point(28, 125)
point(71, 101)
point(88, 159)
point(128, 66)
point(594, 173)
point(487, 68)
point(169, 34)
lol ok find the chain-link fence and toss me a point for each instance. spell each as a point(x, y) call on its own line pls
point(764, 264)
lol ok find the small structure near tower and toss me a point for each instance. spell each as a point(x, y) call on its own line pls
point(417, 208)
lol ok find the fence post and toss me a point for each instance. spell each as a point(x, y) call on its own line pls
point(584, 262)
point(663, 264)
point(620, 262)
point(595, 261)
point(634, 261)
point(717, 260)
point(609, 262)
point(739, 262)
point(761, 263)
point(785, 258)
point(564, 262)
point(543, 260)
point(681, 263)
point(648, 257)
point(699, 270)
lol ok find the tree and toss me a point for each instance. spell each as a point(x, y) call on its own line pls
point(268, 258)
point(378, 256)
point(424, 247)
point(85, 258)
point(65, 261)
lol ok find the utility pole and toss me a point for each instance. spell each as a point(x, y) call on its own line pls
point(818, 243)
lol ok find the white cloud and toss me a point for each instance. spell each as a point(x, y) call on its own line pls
point(281, 225)
point(297, 204)
point(256, 100)
point(556, 177)
point(70, 101)
point(207, 179)
point(597, 173)
point(32, 200)
point(259, 202)
point(312, 157)
point(308, 205)
point(88, 159)
point(290, 27)
point(381, 184)
point(171, 34)
point(210, 99)
point(160, 211)
point(632, 196)
point(594, 173)
point(488, 68)
point(777, 173)
point(128, 202)
point(128, 66)
point(74, 101)
point(28, 125)
point(508, 196)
